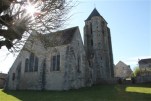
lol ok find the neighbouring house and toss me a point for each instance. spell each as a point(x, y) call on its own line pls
point(145, 66)
point(122, 70)
point(3, 78)
point(60, 60)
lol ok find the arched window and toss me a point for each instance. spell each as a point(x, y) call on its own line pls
point(55, 61)
point(91, 42)
point(13, 77)
point(91, 28)
point(18, 71)
point(36, 64)
point(26, 65)
point(79, 62)
point(31, 62)
point(58, 63)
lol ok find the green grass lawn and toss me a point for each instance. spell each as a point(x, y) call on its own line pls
point(139, 92)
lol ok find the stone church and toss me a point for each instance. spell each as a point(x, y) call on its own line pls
point(60, 60)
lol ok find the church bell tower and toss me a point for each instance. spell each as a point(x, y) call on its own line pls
point(98, 47)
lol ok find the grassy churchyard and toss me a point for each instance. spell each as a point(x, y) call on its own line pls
point(137, 92)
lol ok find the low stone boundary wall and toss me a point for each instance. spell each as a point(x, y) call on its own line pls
point(143, 79)
point(116, 80)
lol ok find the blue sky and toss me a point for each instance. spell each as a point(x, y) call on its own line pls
point(128, 20)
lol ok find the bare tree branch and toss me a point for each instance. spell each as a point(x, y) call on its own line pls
point(16, 20)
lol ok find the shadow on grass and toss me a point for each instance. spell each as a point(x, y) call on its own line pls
point(95, 93)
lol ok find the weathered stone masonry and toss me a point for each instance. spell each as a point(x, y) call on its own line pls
point(60, 61)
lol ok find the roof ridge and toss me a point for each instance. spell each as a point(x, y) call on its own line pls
point(66, 29)
point(61, 37)
point(121, 62)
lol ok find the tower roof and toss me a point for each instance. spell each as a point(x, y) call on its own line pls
point(94, 13)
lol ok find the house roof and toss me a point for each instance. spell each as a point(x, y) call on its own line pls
point(123, 66)
point(120, 63)
point(3, 76)
point(144, 61)
point(60, 37)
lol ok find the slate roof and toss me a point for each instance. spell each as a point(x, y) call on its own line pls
point(59, 38)
point(3, 76)
point(145, 61)
point(94, 13)
point(121, 63)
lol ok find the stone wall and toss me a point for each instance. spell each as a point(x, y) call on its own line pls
point(97, 43)
point(77, 60)
point(74, 71)
point(3, 78)
point(122, 70)
point(143, 79)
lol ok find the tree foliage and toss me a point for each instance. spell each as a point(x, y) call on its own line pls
point(136, 71)
point(18, 18)
point(141, 72)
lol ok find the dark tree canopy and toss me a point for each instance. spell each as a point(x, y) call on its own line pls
point(18, 18)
